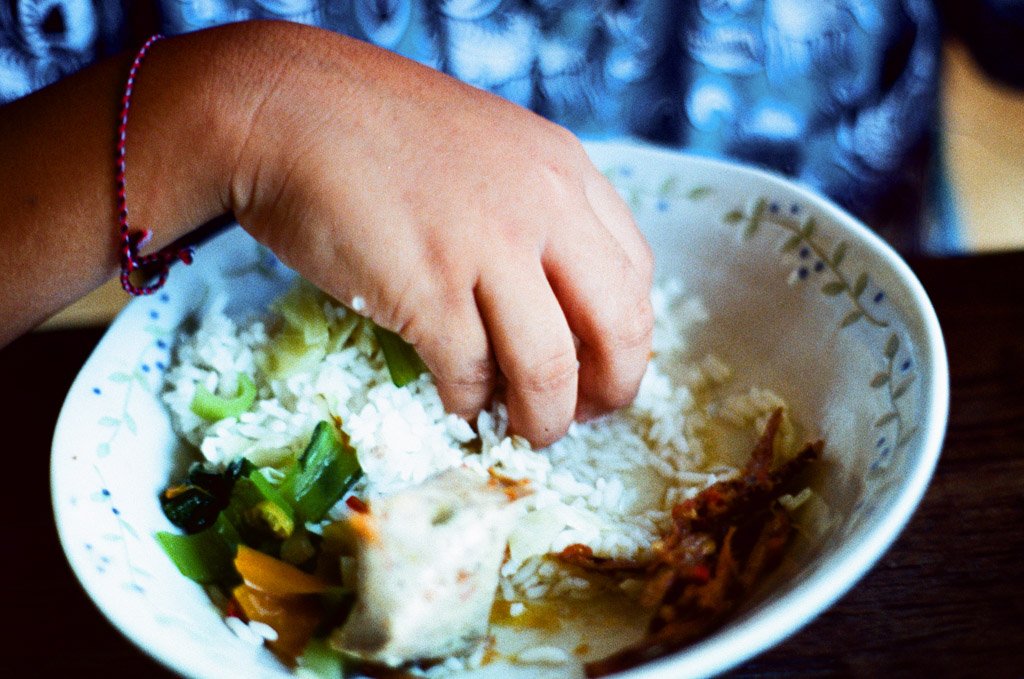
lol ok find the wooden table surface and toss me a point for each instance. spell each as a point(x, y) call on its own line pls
point(946, 600)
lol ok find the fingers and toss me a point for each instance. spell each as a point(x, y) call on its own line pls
point(458, 354)
point(593, 282)
point(533, 348)
point(616, 217)
point(606, 300)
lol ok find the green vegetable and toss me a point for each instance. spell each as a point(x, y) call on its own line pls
point(272, 518)
point(212, 407)
point(323, 662)
point(259, 510)
point(195, 504)
point(326, 470)
point(190, 508)
point(404, 364)
point(288, 353)
point(344, 329)
point(298, 548)
point(302, 338)
point(302, 309)
point(206, 557)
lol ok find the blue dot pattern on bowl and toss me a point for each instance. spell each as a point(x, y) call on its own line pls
point(859, 299)
point(116, 394)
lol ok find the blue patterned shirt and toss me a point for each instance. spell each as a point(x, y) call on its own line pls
point(841, 94)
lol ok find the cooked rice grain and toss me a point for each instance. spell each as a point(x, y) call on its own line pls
point(608, 484)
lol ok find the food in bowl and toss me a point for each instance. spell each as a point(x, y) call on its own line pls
point(339, 507)
point(873, 384)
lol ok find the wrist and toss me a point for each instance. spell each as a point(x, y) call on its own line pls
point(296, 83)
point(185, 130)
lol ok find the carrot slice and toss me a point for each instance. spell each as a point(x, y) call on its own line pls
point(275, 577)
point(294, 618)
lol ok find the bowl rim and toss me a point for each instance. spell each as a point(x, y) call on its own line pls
point(105, 604)
point(836, 574)
point(830, 579)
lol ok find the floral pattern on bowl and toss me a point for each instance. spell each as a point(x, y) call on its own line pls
point(802, 296)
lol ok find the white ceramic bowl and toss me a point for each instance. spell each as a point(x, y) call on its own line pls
point(804, 299)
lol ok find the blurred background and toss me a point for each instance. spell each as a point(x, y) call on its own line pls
point(983, 146)
point(909, 113)
point(948, 596)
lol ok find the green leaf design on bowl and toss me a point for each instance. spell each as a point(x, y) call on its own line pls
point(804, 234)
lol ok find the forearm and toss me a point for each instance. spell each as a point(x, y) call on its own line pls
point(58, 220)
point(474, 228)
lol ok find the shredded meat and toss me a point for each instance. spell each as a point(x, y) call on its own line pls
point(721, 543)
point(583, 556)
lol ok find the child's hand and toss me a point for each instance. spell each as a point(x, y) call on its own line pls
point(475, 229)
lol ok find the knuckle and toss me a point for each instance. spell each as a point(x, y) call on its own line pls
point(562, 154)
point(550, 375)
point(626, 351)
point(557, 180)
point(394, 307)
point(562, 138)
point(634, 330)
point(416, 309)
point(635, 334)
point(463, 374)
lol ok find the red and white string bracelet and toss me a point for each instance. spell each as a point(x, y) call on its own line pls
point(154, 267)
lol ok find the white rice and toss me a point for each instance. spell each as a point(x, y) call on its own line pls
point(264, 630)
point(609, 484)
point(243, 631)
point(543, 655)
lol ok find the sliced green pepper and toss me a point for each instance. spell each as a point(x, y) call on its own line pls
point(206, 557)
point(404, 364)
point(257, 506)
point(326, 470)
point(212, 407)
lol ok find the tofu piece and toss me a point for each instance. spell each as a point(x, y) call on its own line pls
point(428, 564)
